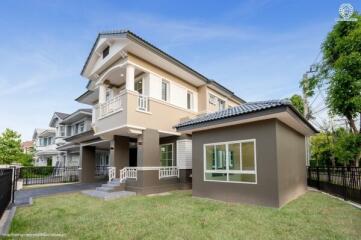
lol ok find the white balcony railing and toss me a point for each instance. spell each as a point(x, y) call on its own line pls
point(111, 173)
point(143, 103)
point(128, 172)
point(168, 172)
point(111, 106)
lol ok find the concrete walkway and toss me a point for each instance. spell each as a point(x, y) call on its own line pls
point(24, 196)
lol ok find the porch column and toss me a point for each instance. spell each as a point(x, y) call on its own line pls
point(119, 153)
point(148, 154)
point(102, 93)
point(129, 77)
point(87, 164)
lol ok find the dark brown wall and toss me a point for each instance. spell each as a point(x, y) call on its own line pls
point(291, 163)
point(87, 164)
point(148, 153)
point(265, 192)
point(119, 153)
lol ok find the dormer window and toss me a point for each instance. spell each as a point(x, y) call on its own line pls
point(105, 52)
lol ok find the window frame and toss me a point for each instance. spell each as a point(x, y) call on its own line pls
point(160, 159)
point(105, 52)
point(228, 171)
point(167, 92)
point(191, 100)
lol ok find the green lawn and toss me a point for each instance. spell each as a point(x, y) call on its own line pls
point(179, 216)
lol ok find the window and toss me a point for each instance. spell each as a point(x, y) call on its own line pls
point(189, 100)
point(165, 90)
point(212, 99)
point(166, 155)
point(62, 131)
point(79, 128)
point(138, 86)
point(68, 131)
point(221, 104)
point(108, 94)
point(230, 162)
point(105, 52)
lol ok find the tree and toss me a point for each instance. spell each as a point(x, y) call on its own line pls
point(346, 147)
point(297, 102)
point(10, 147)
point(340, 71)
point(322, 148)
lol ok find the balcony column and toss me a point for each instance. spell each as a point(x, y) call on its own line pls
point(129, 77)
point(102, 93)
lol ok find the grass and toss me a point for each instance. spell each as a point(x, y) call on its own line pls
point(179, 216)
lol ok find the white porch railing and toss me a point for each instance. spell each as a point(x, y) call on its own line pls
point(111, 173)
point(143, 102)
point(168, 172)
point(112, 105)
point(128, 172)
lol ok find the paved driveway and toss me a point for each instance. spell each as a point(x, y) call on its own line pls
point(25, 196)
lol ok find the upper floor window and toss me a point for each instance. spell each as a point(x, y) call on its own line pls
point(221, 104)
point(212, 99)
point(138, 86)
point(189, 100)
point(79, 128)
point(165, 90)
point(106, 52)
point(62, 131)
point(68, 131)
point(108, 94)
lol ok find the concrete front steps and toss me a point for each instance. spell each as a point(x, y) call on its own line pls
point(109, 191)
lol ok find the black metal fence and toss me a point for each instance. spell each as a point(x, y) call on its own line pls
point(47, 175)
point(344, 182)
point(7, 188)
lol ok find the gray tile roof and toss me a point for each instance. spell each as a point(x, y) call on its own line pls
point(236, 111)
point(61, 115)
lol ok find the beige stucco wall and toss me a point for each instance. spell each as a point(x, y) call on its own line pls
point(161, 72)
point(161, 116)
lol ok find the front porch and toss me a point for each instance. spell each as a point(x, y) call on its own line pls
point(137, 163)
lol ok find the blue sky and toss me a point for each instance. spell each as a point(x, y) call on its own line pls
point(258, 49)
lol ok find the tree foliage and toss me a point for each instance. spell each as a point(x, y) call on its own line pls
point(340, 71)
point(10, 149)
point(340, 147)
point(297, 102)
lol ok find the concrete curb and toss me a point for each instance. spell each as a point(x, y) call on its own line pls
point(6, 220)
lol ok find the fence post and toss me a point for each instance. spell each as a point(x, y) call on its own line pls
point(328, 174)
point(318, 177)
point(13, 179)
point(344, 183)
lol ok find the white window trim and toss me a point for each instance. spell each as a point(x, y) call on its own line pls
point(165, 144)
point(227, 159)
point(191, 100)
point(168, 90)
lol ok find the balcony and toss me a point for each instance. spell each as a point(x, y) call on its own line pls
point(110, 107)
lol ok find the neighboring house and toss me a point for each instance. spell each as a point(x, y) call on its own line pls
point(27, 146)
point(166, 126)
point(138, 93)
point(46, 143)
point(45, 147)
point(72, 126)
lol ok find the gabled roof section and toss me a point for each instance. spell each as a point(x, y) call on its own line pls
point(240, 110)
point(132, 36)
point(37, 131)
point(57, 116)
point(77, 115)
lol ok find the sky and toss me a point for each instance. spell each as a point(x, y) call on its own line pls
point(257, 48)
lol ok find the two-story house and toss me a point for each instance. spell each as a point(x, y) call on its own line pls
point(138, 93)
point(71, 127)
point(46, 153)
